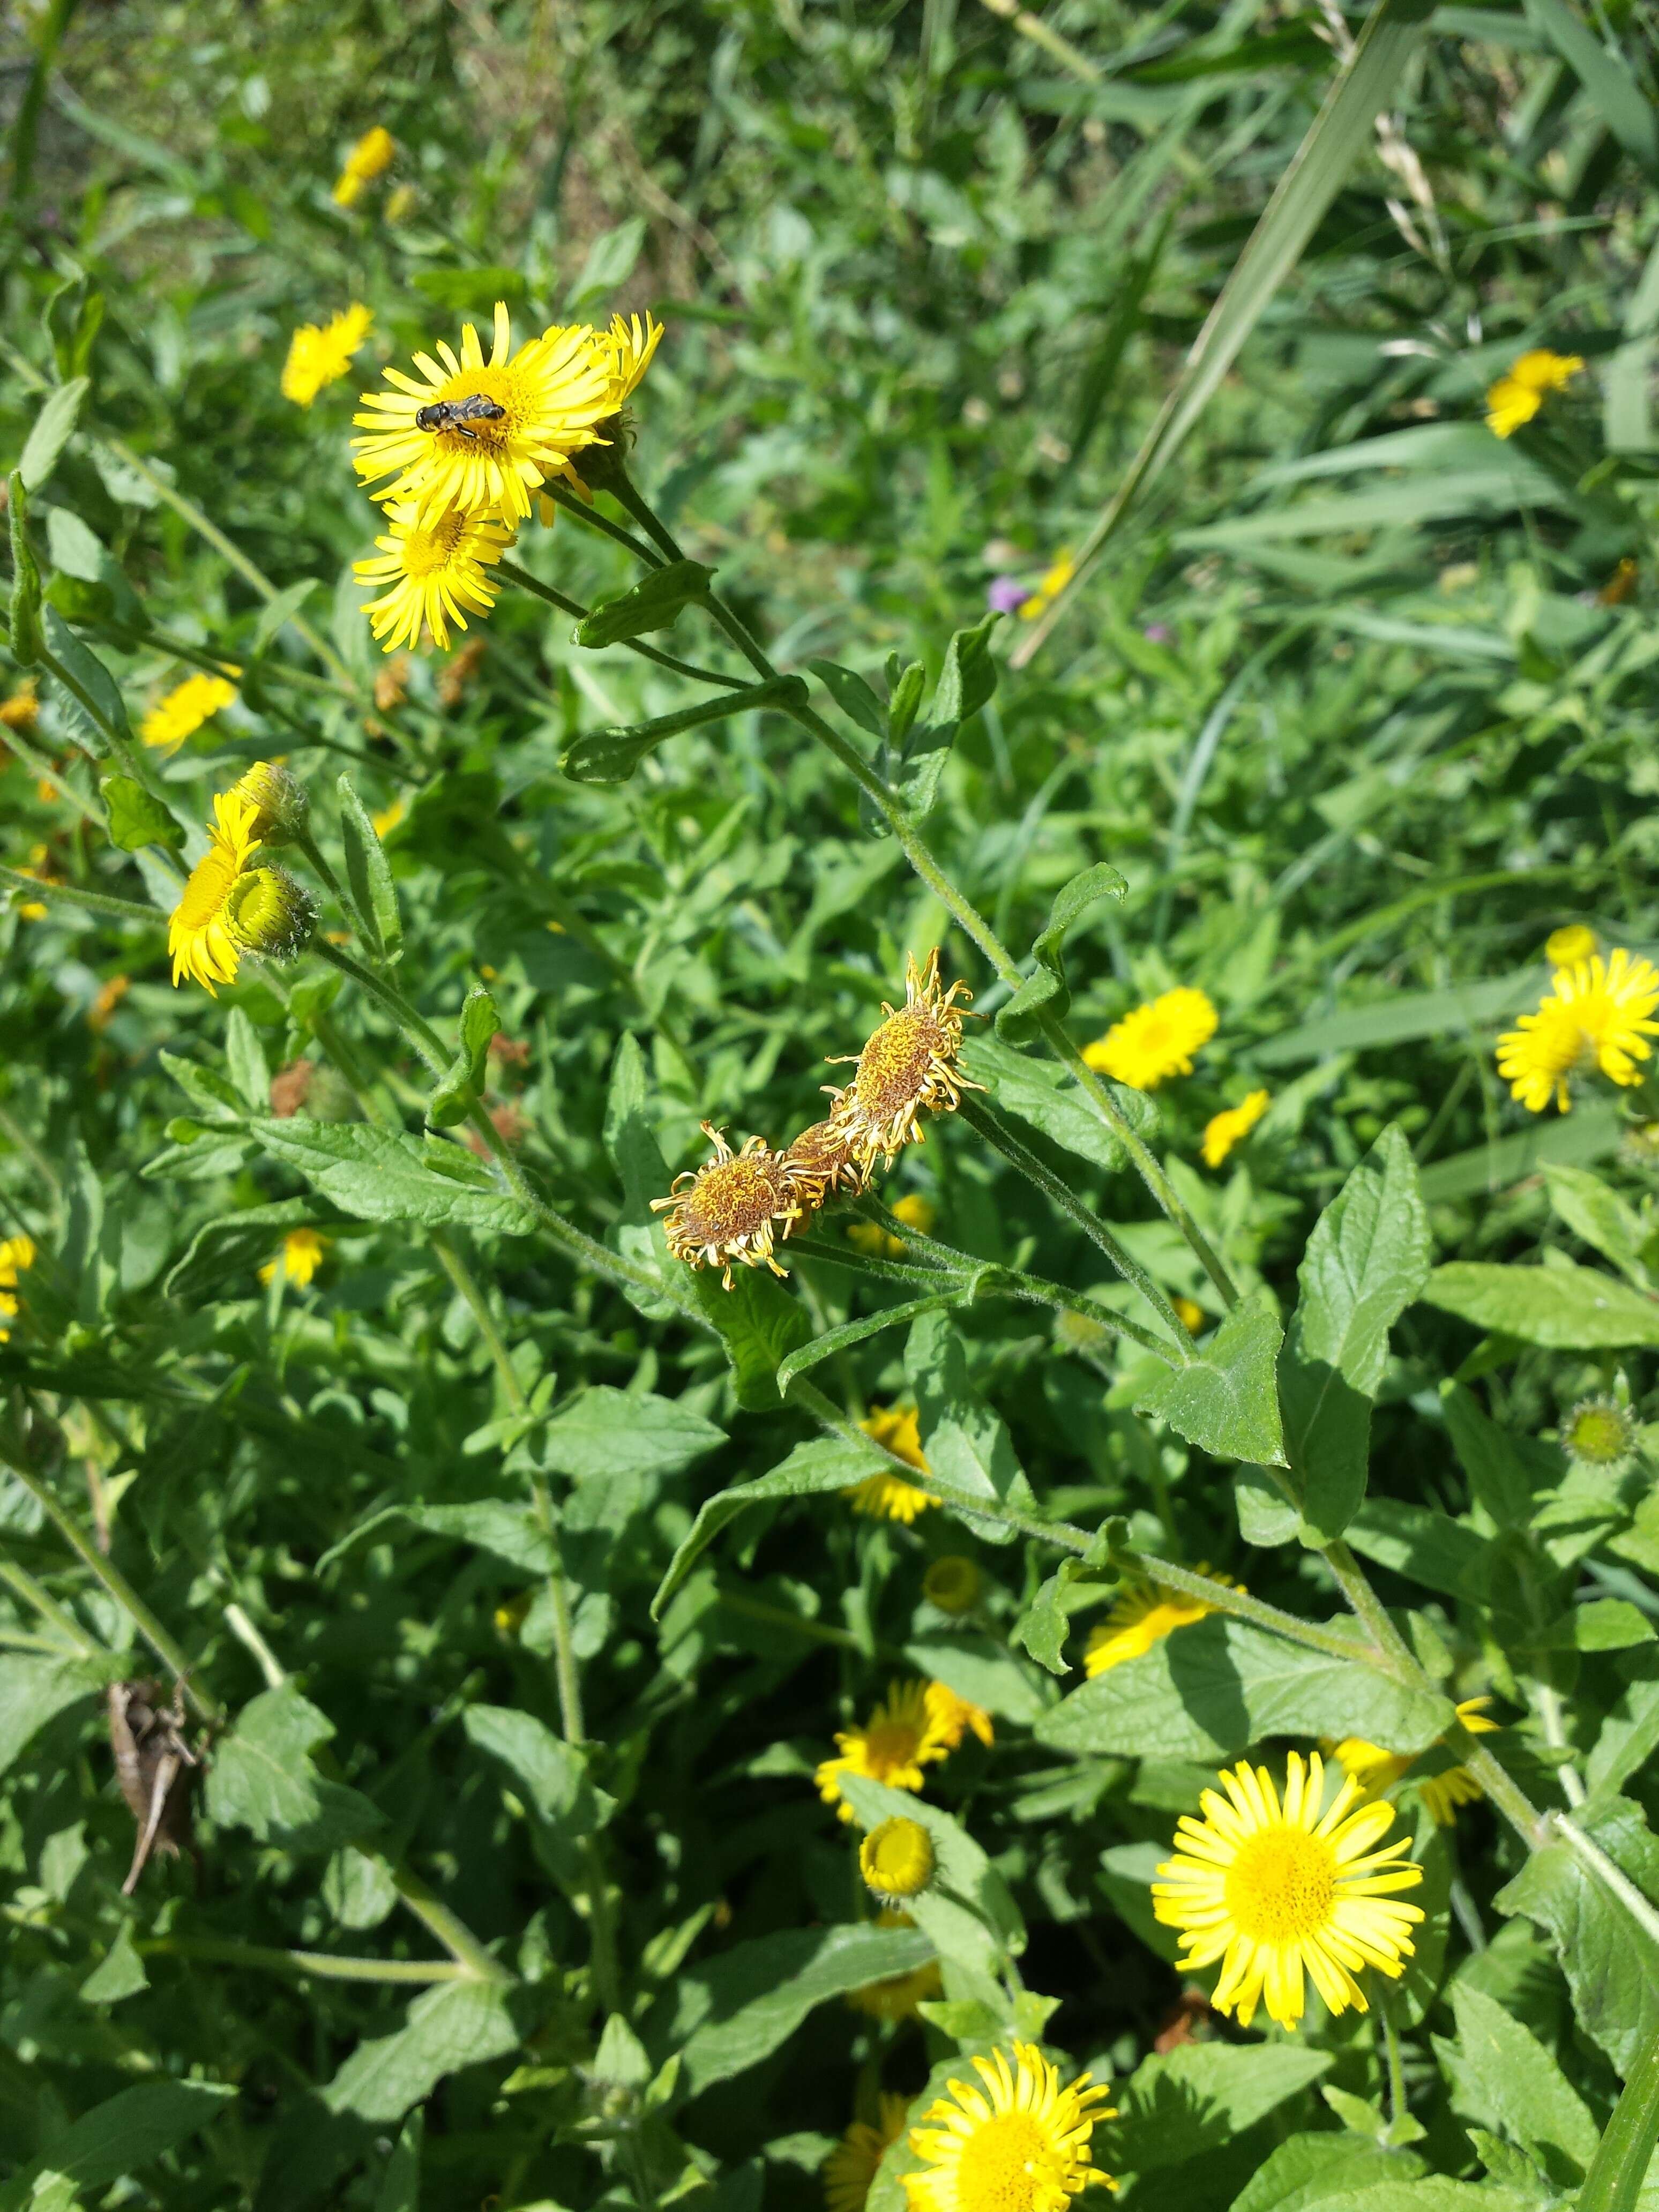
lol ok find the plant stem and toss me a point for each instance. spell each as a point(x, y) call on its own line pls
point(117, 909)
point(514, 574)
point(1612, 1878)
point(457, 1938)
point(454, 1266)
point(262, 1958)
point(1617, 2171)
point(31, 1592)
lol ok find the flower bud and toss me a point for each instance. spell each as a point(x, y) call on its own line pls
point(281, 804)
point(267, 912)
point(1599, 1432)
point(896, 1859)
point(952, 1584)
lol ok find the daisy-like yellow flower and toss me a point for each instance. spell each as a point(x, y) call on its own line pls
point(1018, 2144)
point(888, 1496)
point(319, 354)
point(434, 570)
point(737, 1204)
point(1144, 1615)
point(625, 351)
point(1225, 1130)
point(1155, 1041)
point(229, 906)
point(21, 711)
point(16, 1256)
point(552, 393)
point(1571, 943)
point(953, 1716)
point(1189, 1314)
point(908, 1063)
point(1275, 1892)
point(851, 2167)
point(1521, 392)
point(1048, 588)
point(301, 1255)
point(371, 157)
point(900, 1738)
point(1377, 1769)
point(896, 1859)
point(1595, 1016)
point(913, 1209)
point(183, 711)
point(897, 1997)
point(951, 1583)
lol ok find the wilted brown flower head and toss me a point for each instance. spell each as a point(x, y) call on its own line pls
point(288, 1087)
point(826, 1160)
point(908, 1063)
point(392, 683)
point(459, 672)
point(734, 1206)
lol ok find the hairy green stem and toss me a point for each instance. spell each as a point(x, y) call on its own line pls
point(1612, 1878)
point(512, 573)
point(261, 1958)
point(116, 909)
point(20, 1579)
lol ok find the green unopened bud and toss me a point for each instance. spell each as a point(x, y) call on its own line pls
point(951, 1583)
point(283, 804)
point(1599, 1432)
point(267, 912)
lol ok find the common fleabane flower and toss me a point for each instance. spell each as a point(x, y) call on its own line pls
point(1018, 2142)
point(301, 1257)
point(1377, 1769)
point(184, 709)
point(1595, 1016)
point(319, 354)
point(1230, 1126)
point(435, 573)
point(1145, 1613)
point(908, 1063)
point(896, 1859)
point(851, 2167)
point(1521, 392)
point(735, 1208)
point(230, 905)
point(16, 1258)
point(888, 1496)
point(953, 1717)
point(371, 157)
point(1155, 1041)
point(900, 1738)
point(1278, 1892)
point(552, 393)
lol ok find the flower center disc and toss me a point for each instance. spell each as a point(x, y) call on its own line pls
point(895, 1065)
point(731, 1200)
point(890, 1745)
point(484, 383)
point(1281, 1885)
point(204, 894)
point(425, 552)
point(1001, 2168)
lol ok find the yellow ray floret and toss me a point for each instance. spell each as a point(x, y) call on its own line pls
point(371, 157)
point(1017, 2142)
point(953, 1717)
point(883, 1495)
point(910, 1063)
point(1517, 395)
point(736, 1206)
point(851, 2167)
point(319, 354)
point(1225, 1130)
point(1595, 1016)
point(900, 1738)
point(185, 707)
point(551, 395)
point(624, 352)
point(434, 571)
point(16, 1257)
point(1155, 1041)
point(1280, 1892)
point(1144, 1615)
point(301, 1255)
point(1377, 1769)
point(231, 906)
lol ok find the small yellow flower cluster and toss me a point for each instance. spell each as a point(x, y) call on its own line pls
point(16, 1257)
point(1157, 1040)
point(371, 157)
point(320, 353)
point(234, 901)
point(1596, 1015)
point(185, 708)
point(740, 1204)
point(917, 1724)
point(459, 448)
point(887, 1496)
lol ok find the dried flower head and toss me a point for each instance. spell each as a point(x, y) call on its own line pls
point(908, 1063)
point(734, 1206)
point(825, 1157)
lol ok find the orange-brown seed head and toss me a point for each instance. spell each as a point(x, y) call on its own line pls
point(735, 1206)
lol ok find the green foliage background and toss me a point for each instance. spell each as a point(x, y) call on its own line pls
point(493, 1905)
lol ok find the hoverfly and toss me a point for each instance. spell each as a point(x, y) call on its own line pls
point(457, 414)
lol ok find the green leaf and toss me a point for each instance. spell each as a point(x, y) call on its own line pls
point(1603, 1624)
point(553, 1781)
point(456, 2025)
point(1224, 1400)
point(263, 1777)
point(1608, 84)
point(1425, 1546)
point(906, 699)
point(135, 817)
point(655, 603)
point(966, 1444)
point(33, 1691)
point(245, 1056)
point(1305, 2171)
point(1575, 1139)
point(850, 1332)
point(967, 1911)
point(382, 1174)
point(828, 1463)
point(1046, 989)
point(87, 696)
point(1593, 1211)
point(400, 2184)
point(463, 1087)
point(611, 1433)
point(1499, 1481)
point(1046, 1095)
point(51, 430)
point(238, 1244)
point(126, 2133)
point(279, 610)
point(969, 678)
point(1366, 1260)
point(983, 1671)
point(1499, 2069)
point(1565, 1309)
point(1179, 2104)
point(368, 878)
point(1625, 2153)
point(852, 694)
point(119, 1973)
point(611, 755)
point(609, 263)
point(1610, 1960)
point(24, 615)
point(1630, 1734)
point(1210, 1689)
point(728, 2015)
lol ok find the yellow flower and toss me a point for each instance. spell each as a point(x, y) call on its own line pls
point(1144, 1615)
point(320, 353)
point(1189, 1314)
point(951, 1583)
point(910, 1063)
point(900, 1738)
point(39, 867)
point(230, 907)
point(888, 1496)
point(734, 1206)
point(1275, 1892)
point(280, 806)
point(1048, 588)
point(624, 352)
point(16, 1255)
point(21, 711)
point(952, 1717)
point(551, 394)
point(1156, 1041)
point(897, 1997)
point(1377, 1769)
point(851, 2167)
point(1225, 1130)
point(1571, 943)
point(1517, 396)
point(387, 818)
point(371, 157)
point(183, 711)
point(1020, 2143)
point(896, 1859)
point(1595, 1016)
point(301, 1256)
point(914, 1210)
point(435, 568)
